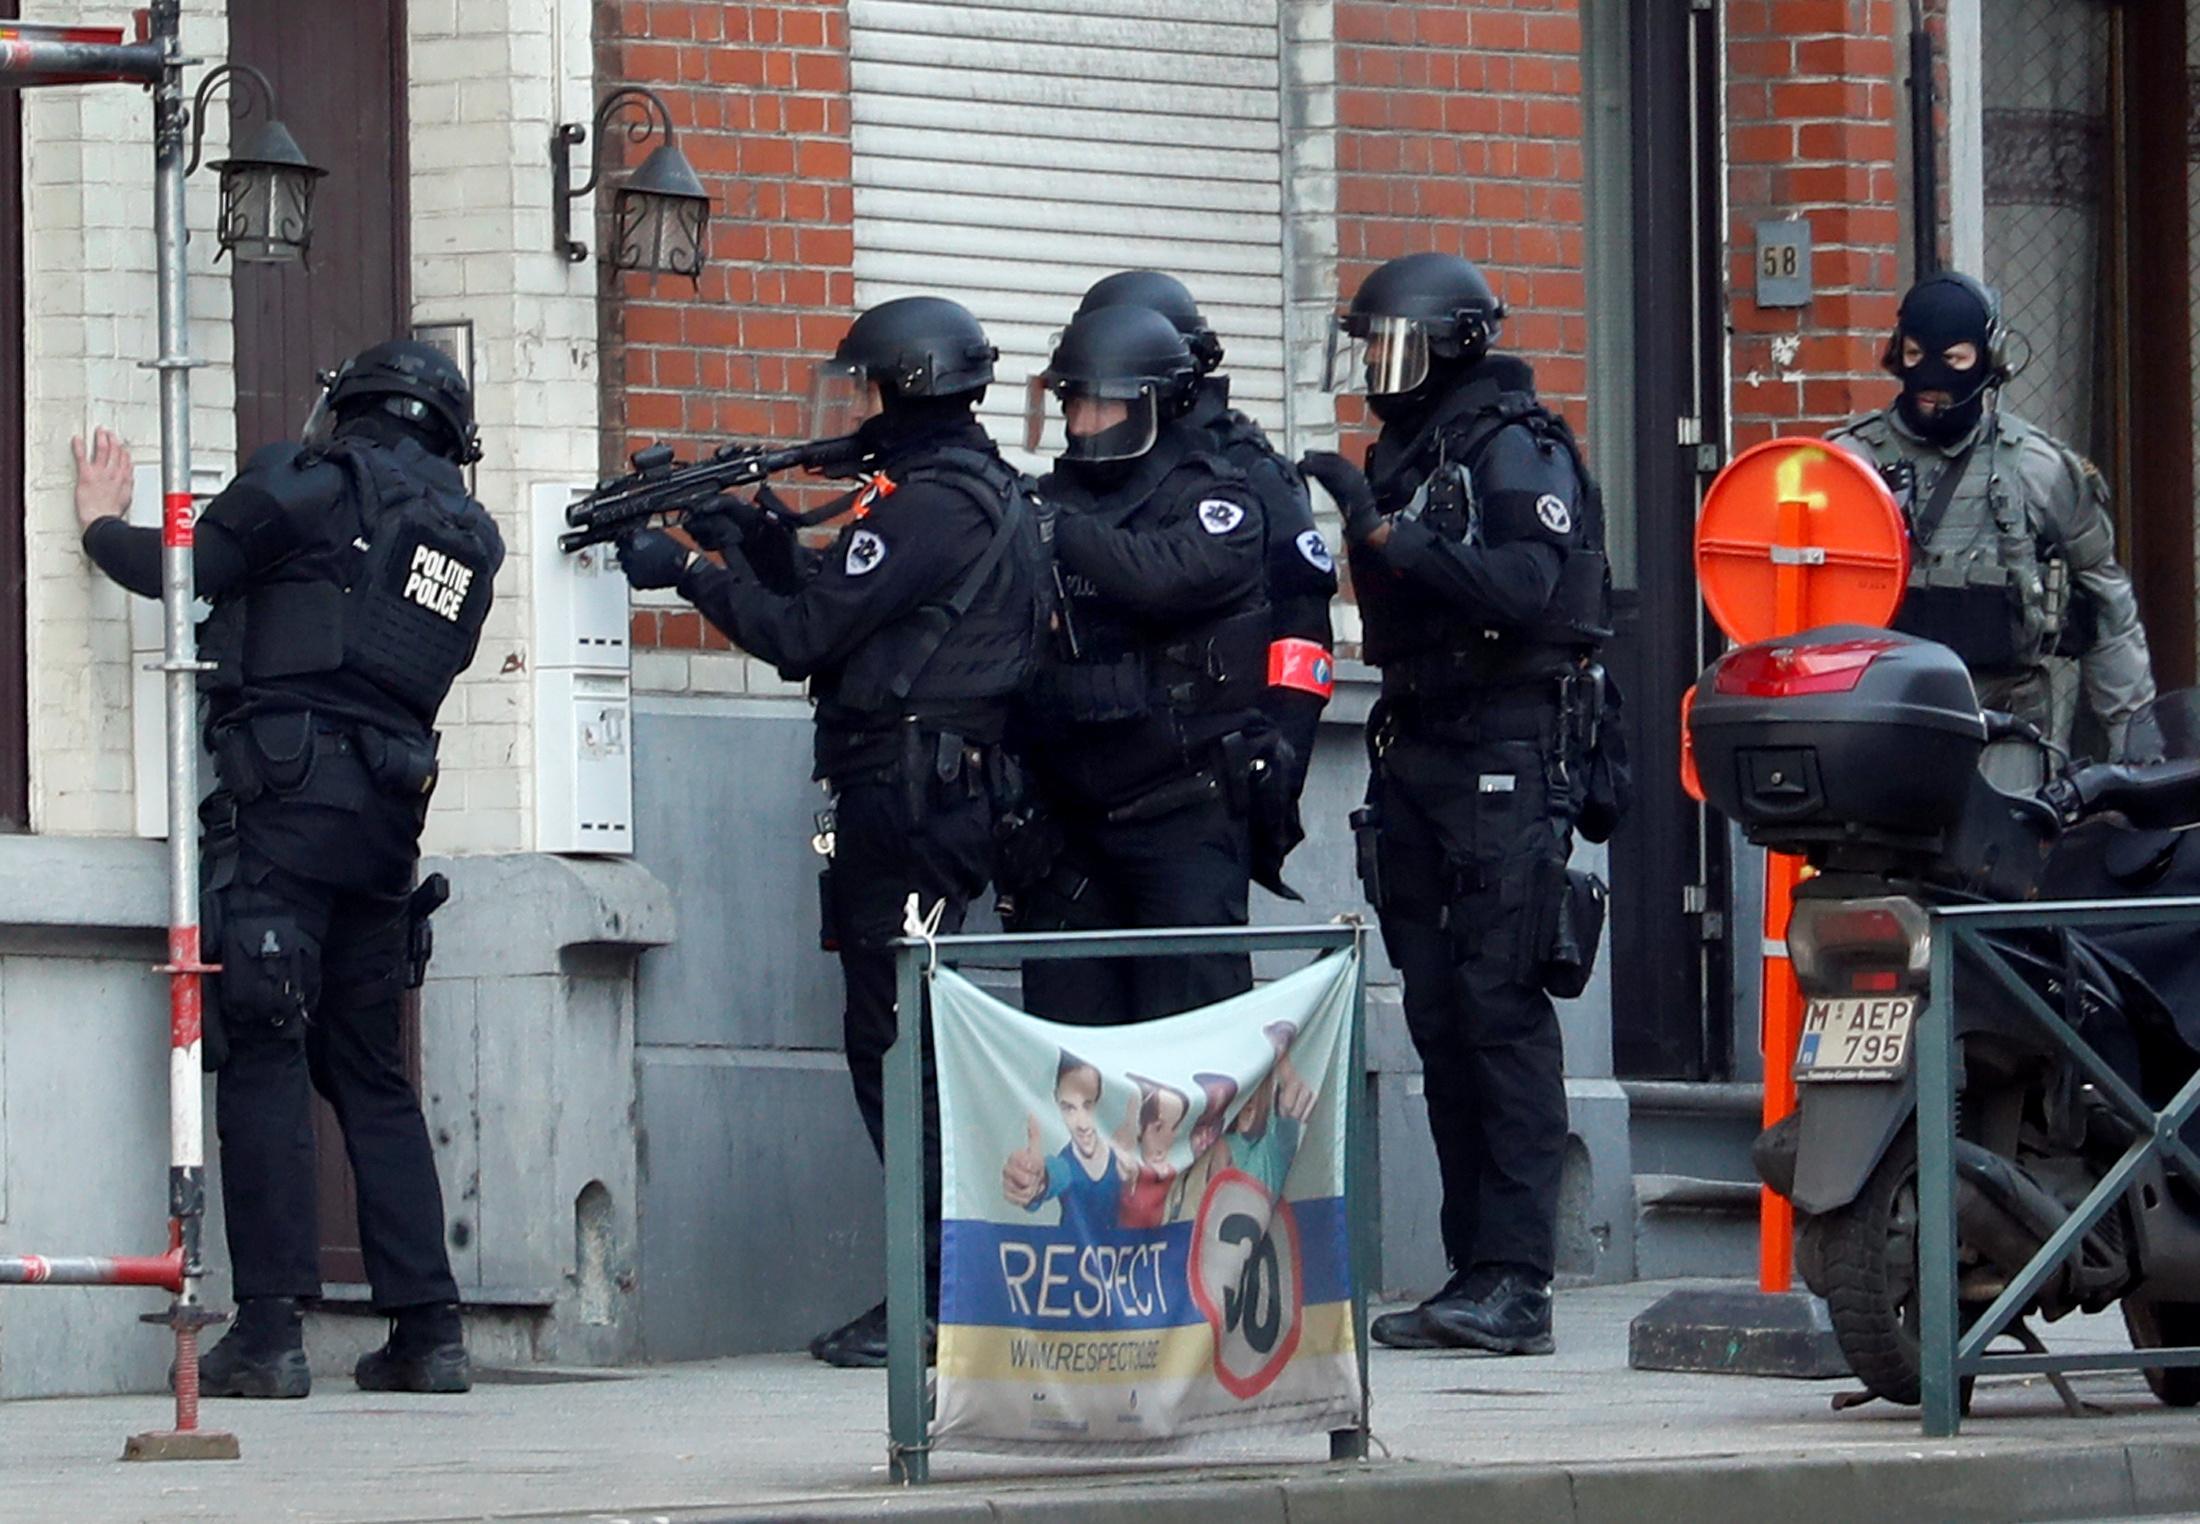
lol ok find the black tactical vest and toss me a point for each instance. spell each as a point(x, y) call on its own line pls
point(1123, 667)
point(1426, 643)
point(979, 637)
point(373, 619)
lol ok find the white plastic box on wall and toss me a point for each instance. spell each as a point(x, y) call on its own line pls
point(148, 696)
point(584, 774)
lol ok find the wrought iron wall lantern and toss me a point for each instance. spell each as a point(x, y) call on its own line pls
point(267, 182)
point(661, 211)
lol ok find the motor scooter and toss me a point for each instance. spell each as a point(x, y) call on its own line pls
point(1859, 750)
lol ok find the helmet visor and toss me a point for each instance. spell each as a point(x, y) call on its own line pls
point(1095, 427)
point(1377, 356)
point(320, 425)
point(841, 398)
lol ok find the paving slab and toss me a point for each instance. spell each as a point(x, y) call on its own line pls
point(1577, 1437)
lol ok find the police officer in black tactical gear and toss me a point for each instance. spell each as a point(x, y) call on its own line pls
point(914, 628)
point(1477, 554)
point(1157, 774)
point(350, 576)
point(1302, 574)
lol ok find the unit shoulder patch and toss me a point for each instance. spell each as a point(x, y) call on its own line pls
point(865, 553)
point(1219, 515)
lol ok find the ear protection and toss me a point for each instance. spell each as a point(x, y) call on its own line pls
point(1997, 367)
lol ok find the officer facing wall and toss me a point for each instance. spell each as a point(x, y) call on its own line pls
point(913, 628)
point(1157, 778)
point(350, 576)
point(2014, 561)
point(1477, 554)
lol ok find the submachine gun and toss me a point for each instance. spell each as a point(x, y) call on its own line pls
point(661, 487)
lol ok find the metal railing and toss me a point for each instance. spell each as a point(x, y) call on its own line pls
point(909, 1418)
point(1945, 1359)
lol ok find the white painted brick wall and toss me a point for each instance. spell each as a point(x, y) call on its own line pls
point(89, 305)
point(489, 81)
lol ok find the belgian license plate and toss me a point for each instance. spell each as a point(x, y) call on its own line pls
point(1855, 1037)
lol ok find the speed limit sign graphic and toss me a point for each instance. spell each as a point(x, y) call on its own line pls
point(1248, 1277)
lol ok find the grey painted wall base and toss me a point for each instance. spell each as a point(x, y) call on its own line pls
point(528, 1083)
point(761, 1200)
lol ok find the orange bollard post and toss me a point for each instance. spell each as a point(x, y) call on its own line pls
point(1782, 1027)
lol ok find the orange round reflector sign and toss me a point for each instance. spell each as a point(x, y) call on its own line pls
point(1797, 533)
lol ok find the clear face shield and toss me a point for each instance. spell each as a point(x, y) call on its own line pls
point(320, 425)
point(841, 398)
point(1095, 427)
point(1376, 356)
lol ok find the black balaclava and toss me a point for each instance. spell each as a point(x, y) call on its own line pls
point(388, 430)
point(1941, 311)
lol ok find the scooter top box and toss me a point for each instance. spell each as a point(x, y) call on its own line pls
point(1838, 733)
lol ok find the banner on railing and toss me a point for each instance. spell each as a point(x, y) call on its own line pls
point(1145, 1235)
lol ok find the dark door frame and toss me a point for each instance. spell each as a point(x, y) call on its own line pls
point(15, 760)
point(2158, 279)
point(1670, 995)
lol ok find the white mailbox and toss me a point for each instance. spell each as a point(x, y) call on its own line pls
point(584, 774)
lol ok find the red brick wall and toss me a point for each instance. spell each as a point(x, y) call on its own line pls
point(1811, 101)
point(759, 96)
point(1459, 129)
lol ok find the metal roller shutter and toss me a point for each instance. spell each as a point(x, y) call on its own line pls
point(1008, 154)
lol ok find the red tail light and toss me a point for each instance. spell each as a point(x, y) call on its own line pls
point(1771, 671)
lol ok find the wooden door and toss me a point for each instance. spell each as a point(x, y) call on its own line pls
point(338, 67)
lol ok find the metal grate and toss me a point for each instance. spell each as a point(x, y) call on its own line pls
point(2045, 119)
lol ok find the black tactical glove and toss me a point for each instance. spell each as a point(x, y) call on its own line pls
point(1346, 483)
point(652, 559)
point(718, 527)
point(771, 545)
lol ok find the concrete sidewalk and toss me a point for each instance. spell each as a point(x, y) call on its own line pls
point(1576, 1437)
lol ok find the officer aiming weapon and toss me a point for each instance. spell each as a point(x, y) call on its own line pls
point(660, 486)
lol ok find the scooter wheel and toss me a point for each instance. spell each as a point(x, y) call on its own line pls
point(2166, 1325)
point(1866, 1253)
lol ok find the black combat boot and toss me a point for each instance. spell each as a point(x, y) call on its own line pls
point(262, 1355)
point(426, 1352)
point(1513, 1317)
point(1413, 1329)
point(860, 1343)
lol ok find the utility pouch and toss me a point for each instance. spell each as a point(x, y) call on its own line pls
point(271, 972)
point(1026, 843)
point(402, 766)
point(828, 918)
point(1566, 913)
point(237, 764)
point(1272, 810)
point(283, 747)
point(434, 892)
point(1367, 850)
point(1607, 777)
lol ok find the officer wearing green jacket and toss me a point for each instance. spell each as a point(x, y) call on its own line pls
point(2013, 552)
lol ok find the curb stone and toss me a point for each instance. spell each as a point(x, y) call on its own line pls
point(2091, 1479)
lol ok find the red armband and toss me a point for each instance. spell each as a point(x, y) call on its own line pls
point(1302, 665)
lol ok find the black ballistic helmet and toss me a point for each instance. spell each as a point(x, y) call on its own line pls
point(1132, 355)
point(1411, 311)
point(1166, 295)
point(414, 382)
point(919, 346)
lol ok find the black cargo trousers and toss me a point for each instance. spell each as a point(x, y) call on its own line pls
point(307, 908)
point(903, 830)
point(1469, 845)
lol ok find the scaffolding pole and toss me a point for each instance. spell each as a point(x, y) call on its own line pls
point(31, 55)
